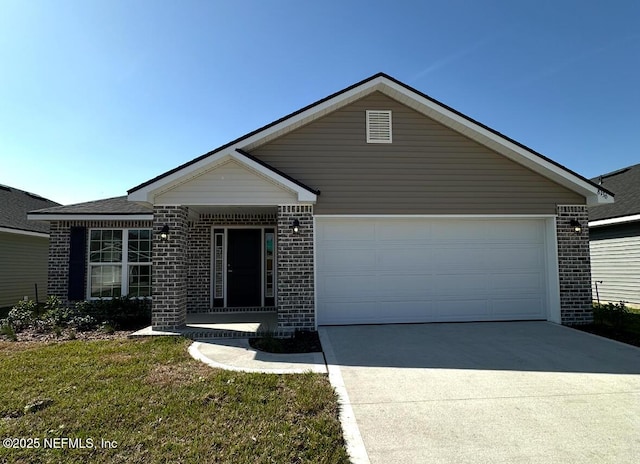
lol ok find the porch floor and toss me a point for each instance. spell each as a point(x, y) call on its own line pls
point(221, 325)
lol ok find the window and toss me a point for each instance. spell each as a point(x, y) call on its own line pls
point(119, 263)
point(378, 126)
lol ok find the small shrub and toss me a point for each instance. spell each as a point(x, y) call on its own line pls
point(611, 314)
point(121, 313)
point(22, 315)
point(7, 331)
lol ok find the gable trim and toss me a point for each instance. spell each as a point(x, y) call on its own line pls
point(148, 193)
point(420, 102)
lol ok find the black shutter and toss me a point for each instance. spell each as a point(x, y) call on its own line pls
point(77, 263)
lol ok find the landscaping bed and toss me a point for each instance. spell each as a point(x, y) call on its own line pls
point(302, 341)
point(615, 321)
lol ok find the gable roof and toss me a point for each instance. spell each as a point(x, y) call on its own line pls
point(414, 99)
point(625, 183)
point(112, 207)
point(14, 206)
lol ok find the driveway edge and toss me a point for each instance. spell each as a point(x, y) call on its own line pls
point(351, 432)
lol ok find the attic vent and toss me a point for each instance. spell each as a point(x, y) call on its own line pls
point(378, 126)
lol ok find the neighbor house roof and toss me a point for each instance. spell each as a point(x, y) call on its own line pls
point(14, 206)
point(625, 184)
point(112, 207)
point(404, 94)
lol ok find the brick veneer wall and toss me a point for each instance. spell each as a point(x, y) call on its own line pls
point(199, 253)
point(295, 302)
point(59, 245)
point(574, 266)
point(169, 268)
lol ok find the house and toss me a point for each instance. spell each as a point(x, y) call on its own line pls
point(377, 204)
point(24, 247)
point(614, 238)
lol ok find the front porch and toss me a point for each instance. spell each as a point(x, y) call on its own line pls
point(201, 326)
point(233, 271)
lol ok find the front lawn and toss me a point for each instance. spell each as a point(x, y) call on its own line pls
point(146, 400)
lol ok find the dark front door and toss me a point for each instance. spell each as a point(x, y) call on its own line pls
point(243, 267)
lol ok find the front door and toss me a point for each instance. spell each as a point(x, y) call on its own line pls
point(244, 267)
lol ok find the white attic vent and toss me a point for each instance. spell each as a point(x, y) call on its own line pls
point(378, 126)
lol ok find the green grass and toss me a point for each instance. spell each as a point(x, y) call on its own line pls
point(159, 405)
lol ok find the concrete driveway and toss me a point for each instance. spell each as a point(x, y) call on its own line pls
point(513, 392)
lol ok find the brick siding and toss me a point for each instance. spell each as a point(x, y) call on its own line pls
point(169, 268)
point(574, 266)
point(295, 299)
point(59, 245)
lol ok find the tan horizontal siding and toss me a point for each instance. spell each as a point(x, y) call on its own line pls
point(23, 263)
point(228, 184)
point(428, 169)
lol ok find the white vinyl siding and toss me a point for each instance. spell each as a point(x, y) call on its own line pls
point(228, 184)
point(385, 270)
point(616, 262)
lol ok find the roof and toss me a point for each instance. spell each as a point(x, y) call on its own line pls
point(119, 206)
point(14, 206)
point(412, 98)
point(625, 184)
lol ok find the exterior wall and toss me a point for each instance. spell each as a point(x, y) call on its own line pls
point(23, 265)
point(574, 267)
point(59, 245)
point(295, 265)
point(227, 184)
point(169, 268)
point(615, 261)
point(428, 169)
point(199, 253)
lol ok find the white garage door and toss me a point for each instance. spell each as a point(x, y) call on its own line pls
point(378, 270)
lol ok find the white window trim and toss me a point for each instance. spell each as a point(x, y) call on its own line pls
point(379, 140)
point(124, 263)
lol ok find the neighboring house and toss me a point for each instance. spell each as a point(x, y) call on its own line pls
point(24, 247)
point(376, 204)
point(614, 237)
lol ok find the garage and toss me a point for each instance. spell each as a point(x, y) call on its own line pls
point(373, 270)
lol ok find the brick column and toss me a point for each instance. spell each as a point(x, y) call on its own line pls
point(574, 266)
point(169, 302)
point(58, 267)
point(296, 305)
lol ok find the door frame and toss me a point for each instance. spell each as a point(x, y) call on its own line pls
point(225, 241)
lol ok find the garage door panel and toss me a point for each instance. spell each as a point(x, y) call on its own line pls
point(430, 269)
point(517, 282)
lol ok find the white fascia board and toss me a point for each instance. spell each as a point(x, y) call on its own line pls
point(89, 217)
point(618, 220)
point(439, 216)
point(503, 146)
point(23, 232)
point(147, 193)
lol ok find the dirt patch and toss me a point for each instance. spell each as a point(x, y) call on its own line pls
point(66, 335)
point(184, 374)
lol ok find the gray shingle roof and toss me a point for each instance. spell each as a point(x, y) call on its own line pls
point(625, 184)
point(14, 206)
point(116, 205)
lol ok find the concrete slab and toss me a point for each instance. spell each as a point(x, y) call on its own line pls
point(238, 355)
point(531, 392)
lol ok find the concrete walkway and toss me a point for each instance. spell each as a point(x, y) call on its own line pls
point(517, 392)
point(237, 355)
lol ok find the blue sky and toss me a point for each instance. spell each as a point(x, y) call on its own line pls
point(97, 96)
